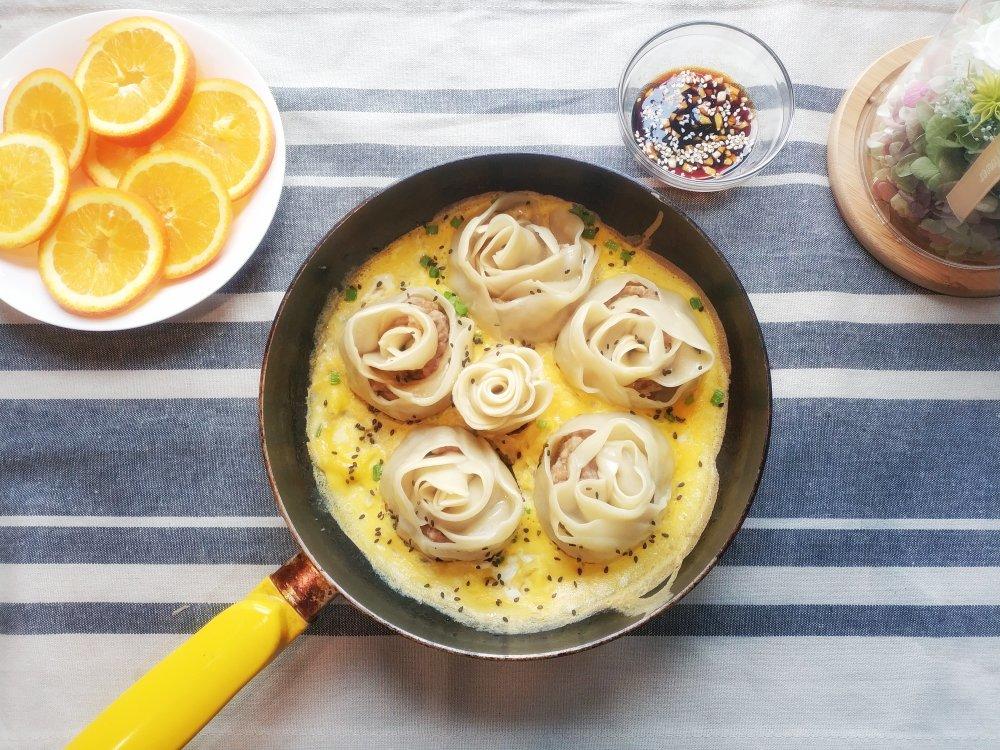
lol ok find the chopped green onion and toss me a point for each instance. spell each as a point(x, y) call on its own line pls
point(319, 430)
point(431, 228)
point(460, 307)
point(334, 378)
point(626, 256)
point(689, 400)
point(611, 245)
point(351, 293)
point(377, 470)
point(718, 397)
point(588, 217)
point(456, 221)
point(696, 303)
point(431, 264)
point(589, 233)
point(543, 424)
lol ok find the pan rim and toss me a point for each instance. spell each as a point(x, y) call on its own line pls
point(758, 344)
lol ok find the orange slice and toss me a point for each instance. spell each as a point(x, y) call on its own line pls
point(49, 102)
point(107, 159)
point(105, 251)
point(194, 205)
point(133, 76)
point(226, 125)
point(34, 178)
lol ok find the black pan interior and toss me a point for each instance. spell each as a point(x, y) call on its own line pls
point(622, 203)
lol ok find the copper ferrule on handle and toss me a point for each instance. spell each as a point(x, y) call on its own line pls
point(303, 586)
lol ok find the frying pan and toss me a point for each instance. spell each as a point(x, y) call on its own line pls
point(175, 699)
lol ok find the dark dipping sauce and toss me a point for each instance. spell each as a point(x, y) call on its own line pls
point(694, 122)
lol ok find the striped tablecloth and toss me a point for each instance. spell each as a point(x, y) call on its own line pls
point(859, 607)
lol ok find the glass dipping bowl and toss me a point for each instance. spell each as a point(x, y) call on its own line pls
point(726, 49)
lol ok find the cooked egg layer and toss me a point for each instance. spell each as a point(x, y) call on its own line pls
point(532, 585)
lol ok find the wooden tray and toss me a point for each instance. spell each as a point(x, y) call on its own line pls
point(848, 134)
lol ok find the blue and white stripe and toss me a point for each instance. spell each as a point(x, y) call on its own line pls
point(859, 607)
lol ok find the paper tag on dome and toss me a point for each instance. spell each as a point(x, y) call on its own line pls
point(977, 181)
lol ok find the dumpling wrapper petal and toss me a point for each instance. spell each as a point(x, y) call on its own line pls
point(387, 345)
point(522, 279)
point(617, 484)
point(504, 390)
point(616, 341)
point(452, 496)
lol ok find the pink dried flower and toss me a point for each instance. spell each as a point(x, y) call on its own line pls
point(914, 93)
point(884, 190)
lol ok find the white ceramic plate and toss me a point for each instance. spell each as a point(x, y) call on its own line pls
point(61, 46)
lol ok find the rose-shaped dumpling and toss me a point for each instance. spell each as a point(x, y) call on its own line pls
point(452, 496)
point(520, 268)
point(633, 343)
point(502, 391)
point(403, 355)
point(603, 481)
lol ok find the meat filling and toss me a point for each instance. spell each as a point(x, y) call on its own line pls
point(652, 390)
point(435, 535)
point(562, 452)
point(633, 289)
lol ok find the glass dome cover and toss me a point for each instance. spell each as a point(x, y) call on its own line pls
point(934, 153)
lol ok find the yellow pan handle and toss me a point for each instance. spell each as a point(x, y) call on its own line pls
point(177, 697)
